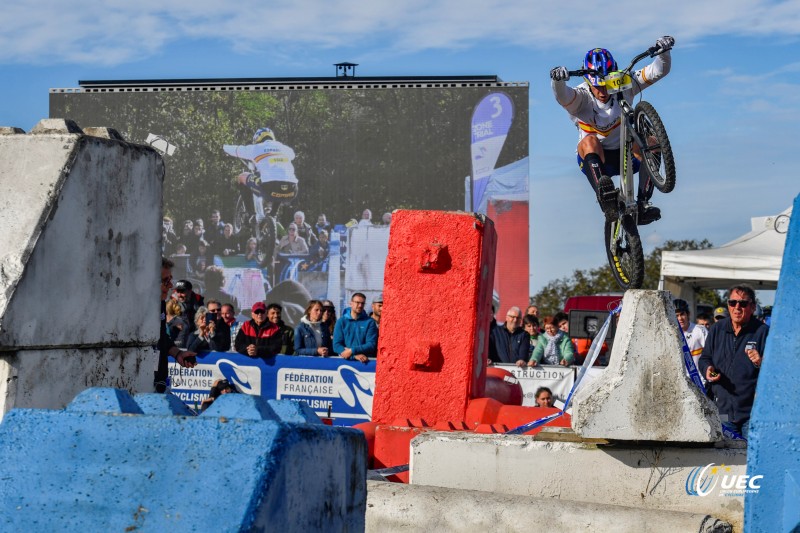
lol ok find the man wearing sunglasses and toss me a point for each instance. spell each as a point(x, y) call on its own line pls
point(258, 337)
point(732, 358)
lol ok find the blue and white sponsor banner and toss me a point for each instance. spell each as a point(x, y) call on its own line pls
point(491, 121)
point(346, 387)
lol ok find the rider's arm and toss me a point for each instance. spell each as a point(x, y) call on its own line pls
point(570, 99)
point(653, 72)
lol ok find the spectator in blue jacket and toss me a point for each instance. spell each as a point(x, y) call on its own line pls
point(311, 337)
point(356, 334)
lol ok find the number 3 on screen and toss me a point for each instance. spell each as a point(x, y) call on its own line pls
point(496, 103)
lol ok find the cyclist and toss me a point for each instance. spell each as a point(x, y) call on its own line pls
point(273, 162)
point(597, 117)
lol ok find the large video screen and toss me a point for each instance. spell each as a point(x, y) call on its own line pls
point(287, 195)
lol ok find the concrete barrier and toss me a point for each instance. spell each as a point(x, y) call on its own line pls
point(653, 477)
point(102, 464)
point(79, 263)
point(394, 507)
point(773, 450)
point(645, 394)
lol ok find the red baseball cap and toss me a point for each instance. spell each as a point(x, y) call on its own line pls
point(258, 306)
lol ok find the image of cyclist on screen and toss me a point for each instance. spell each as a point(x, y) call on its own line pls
point(597, 118)
point(271, 166)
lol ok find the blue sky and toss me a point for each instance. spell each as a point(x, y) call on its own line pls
point(730, 104)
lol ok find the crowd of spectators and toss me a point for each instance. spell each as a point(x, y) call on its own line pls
point(198, 241)
point(196, 324)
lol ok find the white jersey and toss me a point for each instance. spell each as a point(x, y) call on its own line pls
point(592, 117)
point(695, 339)
point(272, 160)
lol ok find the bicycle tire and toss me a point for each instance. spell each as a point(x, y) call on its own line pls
point(624, 252)
point(241, 216)
point(657, 156)
point(267, 242)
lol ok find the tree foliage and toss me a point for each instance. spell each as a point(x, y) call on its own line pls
point(600, 280)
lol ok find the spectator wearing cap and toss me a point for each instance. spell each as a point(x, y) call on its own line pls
point(166, 347)
point(189, 301)
point(720, 313)
point(731, 358)
point(377, 308)
point(258, 337)
point(695, 335)
point(329, 315)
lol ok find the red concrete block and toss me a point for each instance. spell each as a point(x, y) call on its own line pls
point(437, 306)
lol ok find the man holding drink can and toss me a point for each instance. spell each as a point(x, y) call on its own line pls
point(732, 358)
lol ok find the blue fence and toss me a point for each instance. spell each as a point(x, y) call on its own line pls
point(344, 387)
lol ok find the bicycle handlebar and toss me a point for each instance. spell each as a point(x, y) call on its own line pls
point(653, 51)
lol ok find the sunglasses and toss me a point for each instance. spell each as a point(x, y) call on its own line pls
point(259, 312)
point(740, 303)
point(213, 310)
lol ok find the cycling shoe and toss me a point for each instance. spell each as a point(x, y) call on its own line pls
point(607, 197)
point(648, 213)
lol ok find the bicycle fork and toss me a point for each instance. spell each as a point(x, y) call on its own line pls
point(626, 186)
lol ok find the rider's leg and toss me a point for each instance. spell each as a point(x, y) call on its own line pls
point(591, 153)
point(590, 159)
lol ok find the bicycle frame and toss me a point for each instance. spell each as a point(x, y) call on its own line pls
point(616, 83)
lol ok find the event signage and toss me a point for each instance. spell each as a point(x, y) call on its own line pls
point(345, 388)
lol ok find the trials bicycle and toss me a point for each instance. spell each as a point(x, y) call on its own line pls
point(641, 128)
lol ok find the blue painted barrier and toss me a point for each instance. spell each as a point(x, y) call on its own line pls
point(243, 465)
point(346, 387)
point(772, 448)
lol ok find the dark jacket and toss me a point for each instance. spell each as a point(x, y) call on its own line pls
point(266, 337)
point(359, 334)
point(164, 345)
point(506, 347)
point(287, 339)
point(305, 342)
point(736, 389)
point(194, 343)
point(178, 330)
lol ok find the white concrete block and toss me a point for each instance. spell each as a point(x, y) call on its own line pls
point(50, 379)
point(641, 477)
point(80, 246)
point(397, 507)
point(644, 394)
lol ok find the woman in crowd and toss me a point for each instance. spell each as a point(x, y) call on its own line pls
point(293, 243)
point(202, 339)
point(544, 397)
point(251, 250)
point(554, 347)
point(177, 328)
point(312, 336)
point(329, 315)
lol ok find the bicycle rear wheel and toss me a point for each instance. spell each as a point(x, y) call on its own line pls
point(624, 251)
point(657, 154)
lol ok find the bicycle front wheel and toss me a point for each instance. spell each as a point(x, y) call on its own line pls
point(657, 152)
point(625, 254)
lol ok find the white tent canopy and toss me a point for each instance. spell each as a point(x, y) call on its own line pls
point(754, 258)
